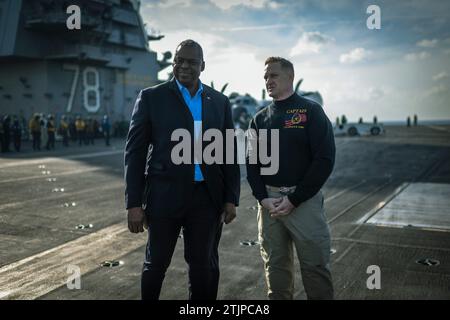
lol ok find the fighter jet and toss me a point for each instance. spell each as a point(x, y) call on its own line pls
point(311, 95)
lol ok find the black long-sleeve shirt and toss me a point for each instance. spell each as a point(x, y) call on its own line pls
point(306, 148)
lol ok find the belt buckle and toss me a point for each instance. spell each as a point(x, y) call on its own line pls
point(284, 191)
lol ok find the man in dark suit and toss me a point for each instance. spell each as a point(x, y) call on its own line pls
point(167, 197)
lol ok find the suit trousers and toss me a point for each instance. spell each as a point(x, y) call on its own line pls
point(306, 229)
point(201, 225)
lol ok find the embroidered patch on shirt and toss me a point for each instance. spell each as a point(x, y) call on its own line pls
point(295, 119)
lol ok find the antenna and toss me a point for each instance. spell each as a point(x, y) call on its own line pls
point(297, 86)
point(224, 87)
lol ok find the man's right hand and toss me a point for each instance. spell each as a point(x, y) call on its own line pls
point(271, 203)
point(136, 220)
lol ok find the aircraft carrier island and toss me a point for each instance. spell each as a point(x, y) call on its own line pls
point(95, 70)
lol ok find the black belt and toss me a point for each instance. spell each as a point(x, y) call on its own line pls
point(197, 183)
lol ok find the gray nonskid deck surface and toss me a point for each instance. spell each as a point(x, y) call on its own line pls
point(38, 238)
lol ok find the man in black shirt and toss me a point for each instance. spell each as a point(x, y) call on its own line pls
point(290, 201)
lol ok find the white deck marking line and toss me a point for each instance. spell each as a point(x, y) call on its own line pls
point(383, 203)
point(445, 129)
point(41, 273)
point(347, 250)
point(390, 244)
point(361, 221)
point(53, 174)
point(95, 154)
point(60, 196)
point(18, 163)
point(340, 193)
point(341, 213)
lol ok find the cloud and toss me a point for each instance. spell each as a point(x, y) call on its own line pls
point(212, 44)
point(375, 93)
point(257, 4)
point(427, 43)
point(416, 56)
point(274, 5)
point(310, 42)
point(356, 55)
point(352, 90)
point(436, 90)
point(170, 3)
point(440, 76)
point(247, 32)
point(252, 28)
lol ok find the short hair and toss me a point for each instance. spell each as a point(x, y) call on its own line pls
point(285, 64)
point(192, 44)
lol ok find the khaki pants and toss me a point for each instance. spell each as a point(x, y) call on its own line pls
point(305, 228)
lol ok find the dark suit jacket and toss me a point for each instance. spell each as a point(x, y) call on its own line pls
point(151, 178)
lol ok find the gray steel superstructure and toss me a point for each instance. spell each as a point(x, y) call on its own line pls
point(99, 69)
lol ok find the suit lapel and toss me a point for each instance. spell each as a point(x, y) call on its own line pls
point(207, 109)
point(183, 106)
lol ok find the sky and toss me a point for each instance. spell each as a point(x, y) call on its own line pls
point(393, 72)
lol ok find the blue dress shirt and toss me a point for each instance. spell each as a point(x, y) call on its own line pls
point(195, 107)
